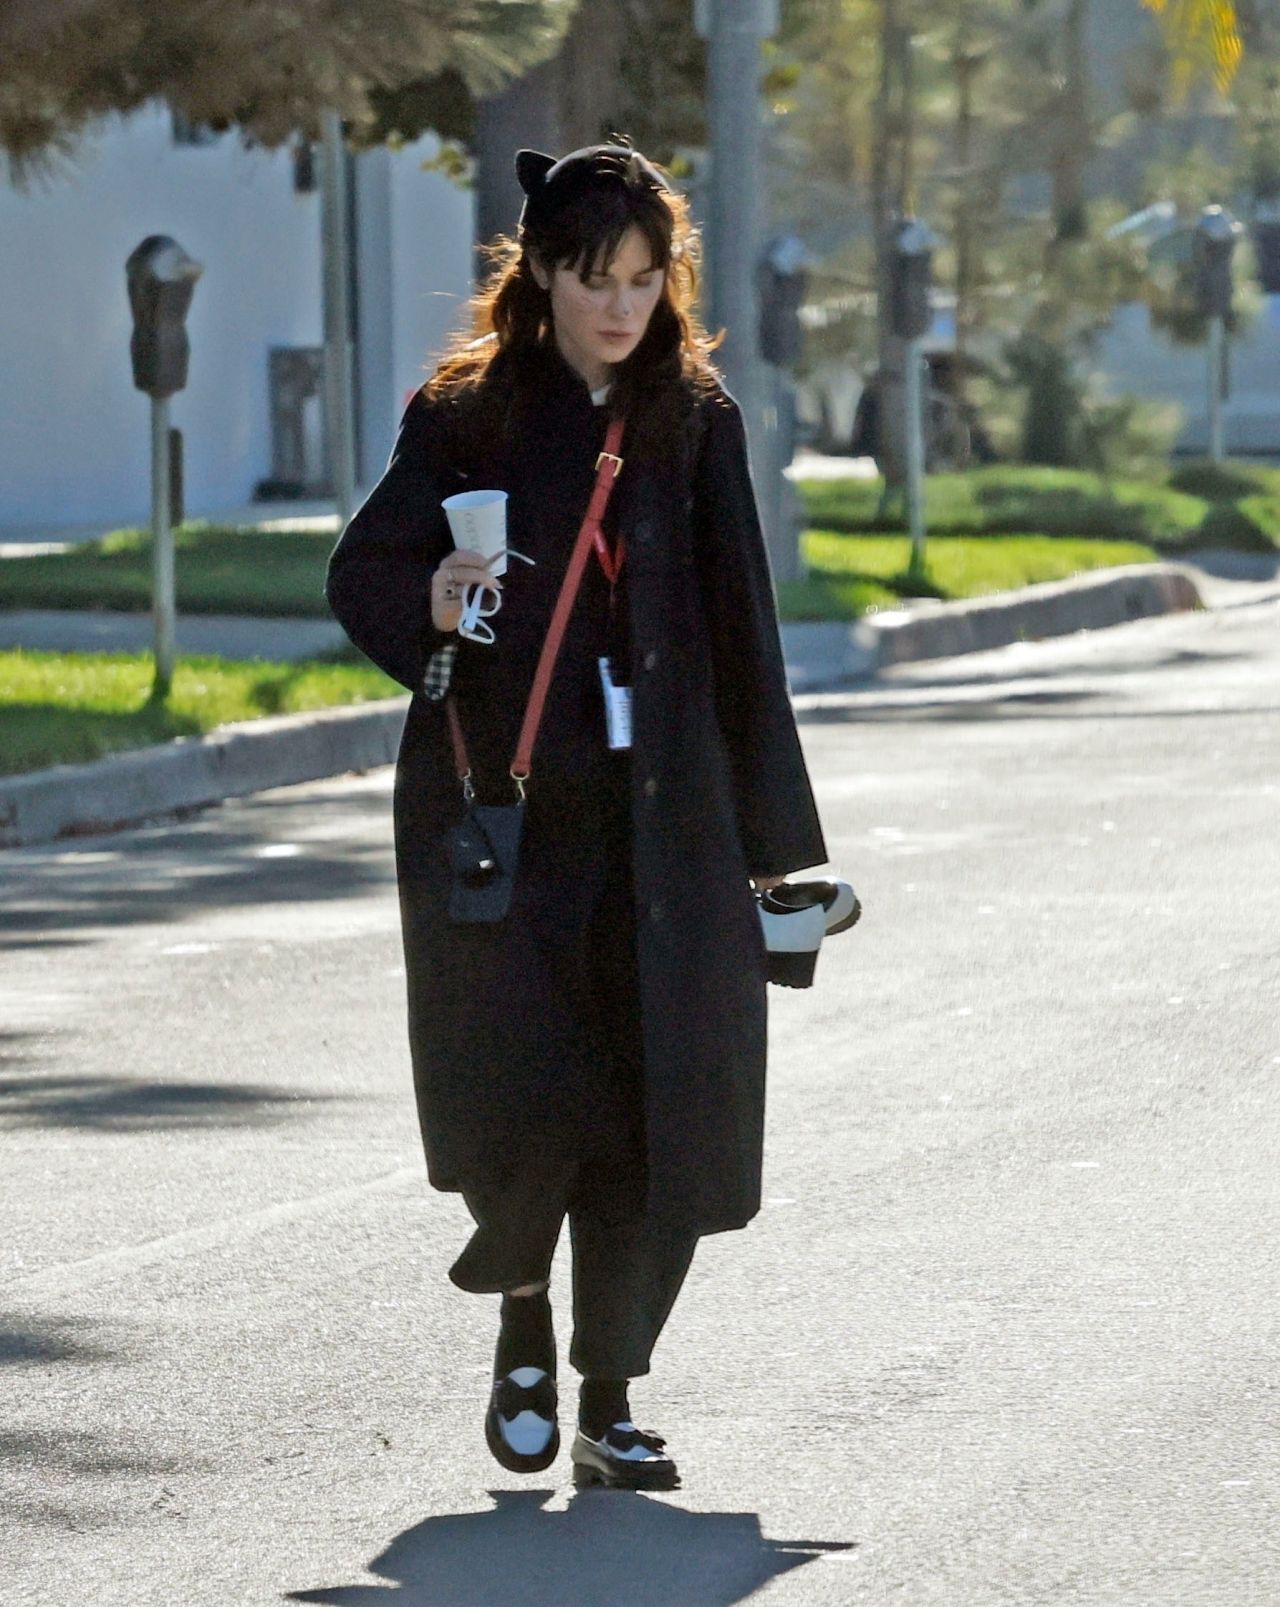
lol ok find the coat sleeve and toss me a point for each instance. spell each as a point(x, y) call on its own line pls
point(777, 818)
point(379, 577)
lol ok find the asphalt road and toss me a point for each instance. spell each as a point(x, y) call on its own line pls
point(1005, 1332)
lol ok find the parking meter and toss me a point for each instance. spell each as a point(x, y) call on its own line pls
point(161, 279)
point(911, 267)
point(782, 282)
point(1213, 245)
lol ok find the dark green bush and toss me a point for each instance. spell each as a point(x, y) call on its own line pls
point(1217, 482)
point(1245, 526)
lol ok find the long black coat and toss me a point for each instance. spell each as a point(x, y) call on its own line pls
point(718, 786)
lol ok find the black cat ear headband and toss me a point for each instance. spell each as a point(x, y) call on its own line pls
point(549, 184)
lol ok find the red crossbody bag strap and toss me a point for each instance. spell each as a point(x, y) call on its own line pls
point(608, 465)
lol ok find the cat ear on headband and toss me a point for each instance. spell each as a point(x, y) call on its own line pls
point(531, 168)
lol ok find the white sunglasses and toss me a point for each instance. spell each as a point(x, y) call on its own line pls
point(480, 603)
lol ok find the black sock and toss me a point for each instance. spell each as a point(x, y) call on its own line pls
point(526, 1338)
point(602, 1402)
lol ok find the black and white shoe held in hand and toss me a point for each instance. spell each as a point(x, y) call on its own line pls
point(623, 1458)
point(520, 1425)
point(796, 916)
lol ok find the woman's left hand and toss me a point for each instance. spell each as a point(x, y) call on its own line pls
point(764, 884)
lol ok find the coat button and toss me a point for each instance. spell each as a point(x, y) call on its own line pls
point(643, 532)
point(656, 912)
point(650, 659)
point(650, 787)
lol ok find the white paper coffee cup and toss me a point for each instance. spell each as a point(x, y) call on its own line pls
point(478, 520)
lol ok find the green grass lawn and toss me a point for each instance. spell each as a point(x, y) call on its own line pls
point(220, 569)
point(852, 575)
point(66, 708)
point(224, 570)
point(1199, 505)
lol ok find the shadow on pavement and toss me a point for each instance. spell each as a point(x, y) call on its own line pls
point(606, 1549)
point(77, 891)
point(1008, 693)
point(125, 1105)
point(38, 1467)
point(905, 691)
point(23, 1342)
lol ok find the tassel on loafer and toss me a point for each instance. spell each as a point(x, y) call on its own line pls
point(796, 916)
point(623, 1458)
point(520, 1425)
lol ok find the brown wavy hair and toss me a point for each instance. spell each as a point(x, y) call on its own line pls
point(510, 324)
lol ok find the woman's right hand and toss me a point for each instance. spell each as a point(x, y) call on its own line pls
point(459, 570)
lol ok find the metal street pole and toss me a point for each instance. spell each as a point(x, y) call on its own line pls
point(910, 267)
point(338, 363)
point(735, 228)
point(1217, 336)
point(914, 360)
point(164, 606)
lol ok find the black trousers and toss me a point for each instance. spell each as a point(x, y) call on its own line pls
point(627, 1272)
point(589, 1164)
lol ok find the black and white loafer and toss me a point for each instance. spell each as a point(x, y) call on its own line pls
point(624, 1458)
point(520, 1425)
point(796, 916)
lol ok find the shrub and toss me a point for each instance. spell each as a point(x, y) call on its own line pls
point(1250, 525)
point(1218, 482)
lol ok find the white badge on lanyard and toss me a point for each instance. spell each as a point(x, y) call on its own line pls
point(617, 708)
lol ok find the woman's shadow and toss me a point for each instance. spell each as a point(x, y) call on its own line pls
point(606, 1549)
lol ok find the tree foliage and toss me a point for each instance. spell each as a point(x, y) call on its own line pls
point(270, 66)
point(634, 66)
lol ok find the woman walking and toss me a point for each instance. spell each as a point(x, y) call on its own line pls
point(598, 1051)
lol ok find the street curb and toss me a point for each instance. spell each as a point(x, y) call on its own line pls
point(83, 799)
point(944, 630)
point(235, 760)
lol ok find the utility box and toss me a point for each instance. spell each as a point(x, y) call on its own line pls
point(299, 460)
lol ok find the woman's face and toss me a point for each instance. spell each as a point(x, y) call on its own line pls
point(600, 323)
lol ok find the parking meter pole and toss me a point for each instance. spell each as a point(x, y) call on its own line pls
point(1213, 246)
point(161, 280)
point(913, 393)
point(338, 364)
point(1217, 339)
point(163, 605)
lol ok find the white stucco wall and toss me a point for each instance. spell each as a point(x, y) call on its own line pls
point(1134, 359)
point(431, 266)
point(74, 433)
point(423, 268)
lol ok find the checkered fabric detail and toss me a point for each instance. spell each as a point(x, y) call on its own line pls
point(439, 672)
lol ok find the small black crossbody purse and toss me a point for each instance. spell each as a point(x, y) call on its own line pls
point(484, 847)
